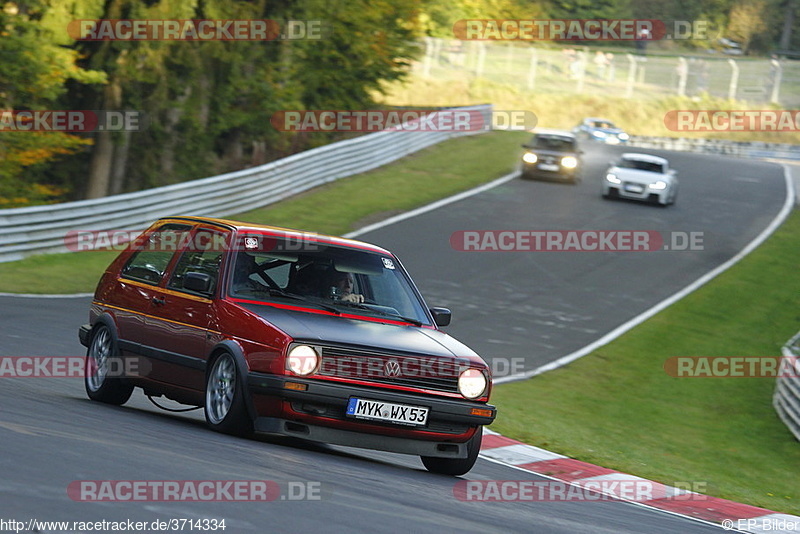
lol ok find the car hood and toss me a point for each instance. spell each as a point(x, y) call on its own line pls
point(554, 153)
point(323, 328)
point(639, 177)
point(610, 131)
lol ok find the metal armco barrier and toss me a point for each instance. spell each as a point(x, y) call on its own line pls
point(786, 399)
point(743, 149)
point(42, 229)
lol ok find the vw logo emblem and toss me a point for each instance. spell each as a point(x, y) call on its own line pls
point(392, 368)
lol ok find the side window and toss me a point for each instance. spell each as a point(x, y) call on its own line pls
point(151, 260)
point(201, 260)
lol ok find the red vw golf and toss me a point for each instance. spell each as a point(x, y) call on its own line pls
point(284, 332)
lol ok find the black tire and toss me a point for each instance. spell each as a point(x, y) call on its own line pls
point(102, 357)
point(456, 466)
point(224, 405)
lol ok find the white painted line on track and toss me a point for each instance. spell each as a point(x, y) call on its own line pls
point(788, 205)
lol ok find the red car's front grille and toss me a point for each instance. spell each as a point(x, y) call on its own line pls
point(424, 372)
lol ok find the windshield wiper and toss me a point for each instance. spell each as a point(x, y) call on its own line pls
point(415, 322)
point(293, 296)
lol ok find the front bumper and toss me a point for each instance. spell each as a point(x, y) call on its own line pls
point(318, 414)
point(84, 334)
point(646, 194)
point(562, 173)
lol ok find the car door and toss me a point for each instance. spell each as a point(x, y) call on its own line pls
point(181, 319)
point(137, 286)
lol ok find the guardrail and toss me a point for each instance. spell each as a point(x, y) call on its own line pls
point(786, 399)
point(43, 229)
point(746, 149)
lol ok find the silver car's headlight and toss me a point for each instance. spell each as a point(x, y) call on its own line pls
point(611, 177)
point(302, 360)
point(624, 136)
point(569, 162)
point(472, 383)
point(530, 157)
point(659, 185)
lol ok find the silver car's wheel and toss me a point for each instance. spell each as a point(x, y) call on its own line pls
point(98, 380)
point(97, 360)
point(224, 407)
point(221, 386)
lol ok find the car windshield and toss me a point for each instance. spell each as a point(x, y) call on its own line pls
point(553, 142)
point(326, 276)
point(602, 124)
point(640, 165)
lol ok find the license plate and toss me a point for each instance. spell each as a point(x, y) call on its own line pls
point(634, 188)
point(402, 414)
point(548, 167)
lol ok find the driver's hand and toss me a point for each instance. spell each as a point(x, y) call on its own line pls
point(355, 298)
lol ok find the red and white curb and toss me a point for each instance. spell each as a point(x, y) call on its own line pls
point(728, 514)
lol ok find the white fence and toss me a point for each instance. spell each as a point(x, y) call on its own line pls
point(612, 72)
point(43, 229)
point(786, 399)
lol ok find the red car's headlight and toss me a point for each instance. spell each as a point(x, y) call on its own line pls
point(302, 360)
point(472, 383)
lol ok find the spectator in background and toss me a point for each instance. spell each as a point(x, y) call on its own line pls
point(600, 63)
point(641, 41)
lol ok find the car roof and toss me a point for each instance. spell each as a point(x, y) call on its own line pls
point(598, 119)
point(245, 227)
point(645, 157)
point(551, 131)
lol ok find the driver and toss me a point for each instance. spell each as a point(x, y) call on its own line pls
point(341, 287)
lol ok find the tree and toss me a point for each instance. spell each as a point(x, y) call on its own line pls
point(746, 20)
point(36, 67)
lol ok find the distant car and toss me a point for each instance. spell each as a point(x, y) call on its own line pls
point(552, 155)
point(732, 48)
point(287, 333)
point(601, 130)
point(641, 177)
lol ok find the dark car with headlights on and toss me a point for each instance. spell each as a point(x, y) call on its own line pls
point(552, 155)
point(600, 130)
point(288, 333)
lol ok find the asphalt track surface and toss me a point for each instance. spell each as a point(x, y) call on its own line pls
point(535, 306)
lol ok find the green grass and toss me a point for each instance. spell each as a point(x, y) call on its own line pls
point(335, 208)
point(641, 116)
point(618, 408)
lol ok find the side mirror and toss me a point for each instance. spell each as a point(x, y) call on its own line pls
point(197, 282)
point(441, 316)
